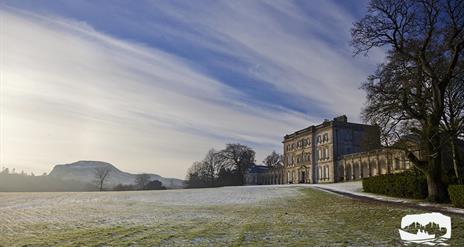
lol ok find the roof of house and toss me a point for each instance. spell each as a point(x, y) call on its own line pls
point(337, 121)
point(258, 169)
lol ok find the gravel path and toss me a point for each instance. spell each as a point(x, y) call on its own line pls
point(354, 190)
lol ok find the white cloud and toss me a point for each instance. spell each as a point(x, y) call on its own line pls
point(69, 92)
point(288, 49)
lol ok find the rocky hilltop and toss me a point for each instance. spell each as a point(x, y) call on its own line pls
point(84, 171)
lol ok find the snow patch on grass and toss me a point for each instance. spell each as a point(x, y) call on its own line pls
point(18, 211)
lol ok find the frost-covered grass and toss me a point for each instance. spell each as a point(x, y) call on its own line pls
point(231, 216)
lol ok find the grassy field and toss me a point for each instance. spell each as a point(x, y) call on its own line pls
point(240, 216)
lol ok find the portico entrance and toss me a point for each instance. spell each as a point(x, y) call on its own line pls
point(302, 177)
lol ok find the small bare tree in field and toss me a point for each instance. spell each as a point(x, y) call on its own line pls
point(101, 174)
point(142, 180)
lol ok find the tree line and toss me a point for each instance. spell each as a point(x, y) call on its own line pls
point(226, 167)
point(142, 182)
point(13, 181)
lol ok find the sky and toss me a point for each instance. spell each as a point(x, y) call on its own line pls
point(151, 86)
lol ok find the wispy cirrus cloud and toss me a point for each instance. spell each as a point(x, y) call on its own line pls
point(175, 80)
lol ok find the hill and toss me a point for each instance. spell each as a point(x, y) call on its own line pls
point(84, 171)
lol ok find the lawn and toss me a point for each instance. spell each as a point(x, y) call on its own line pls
point(231, 216)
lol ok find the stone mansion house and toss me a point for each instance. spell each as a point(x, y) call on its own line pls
point(332, 151)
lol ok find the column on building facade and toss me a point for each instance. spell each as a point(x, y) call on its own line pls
point(369, 164)
point(343, 170)
point(379, 167)
point(361, 168)
point(353, 170)
point(389, 163)
point(348, 172)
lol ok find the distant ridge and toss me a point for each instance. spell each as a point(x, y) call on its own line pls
point(84, 171)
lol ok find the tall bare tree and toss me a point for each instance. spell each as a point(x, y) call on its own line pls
point(425, 43)
point(273, 160)
point(101, 175)
point(195, 176)
point(205, 172)
point(212, 163)
point(238, 157)
point(453, 120)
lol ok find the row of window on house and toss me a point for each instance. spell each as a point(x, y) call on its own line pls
point(298, 158)
point(324, 138)
point(322, 154)
point(295, 177)
point(323, 173)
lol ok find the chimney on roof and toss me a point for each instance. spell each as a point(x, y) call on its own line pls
point(341, 118)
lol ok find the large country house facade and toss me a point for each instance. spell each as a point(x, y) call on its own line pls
point(332, 151)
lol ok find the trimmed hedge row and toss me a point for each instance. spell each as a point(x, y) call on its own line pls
point(408, 184)
point(456, 193)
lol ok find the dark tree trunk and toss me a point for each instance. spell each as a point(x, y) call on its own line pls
point(456, 159)
point(437, 191)
point(242, 175)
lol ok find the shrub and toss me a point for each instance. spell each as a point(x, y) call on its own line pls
point(154, 185)
point(124, 187)
point(456, 193)
point(408, 184)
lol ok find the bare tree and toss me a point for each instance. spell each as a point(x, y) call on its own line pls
point(425, 42)
point(453, 120)
point(212, 163)
point(273, 160)
point(141, 180)
point(205, 172)
point(238, 157)
point(221, 168)
point(101, 174)
point(196, 175)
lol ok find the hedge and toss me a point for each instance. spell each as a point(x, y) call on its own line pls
point(456, 193)
point(408, 184)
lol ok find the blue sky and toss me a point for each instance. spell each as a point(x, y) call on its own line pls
point(152, 85)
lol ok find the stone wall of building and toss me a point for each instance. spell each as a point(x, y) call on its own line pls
point(310, 154)
point(298, 157)
point(334, 151)
point(372, 163)
point(260, 175)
